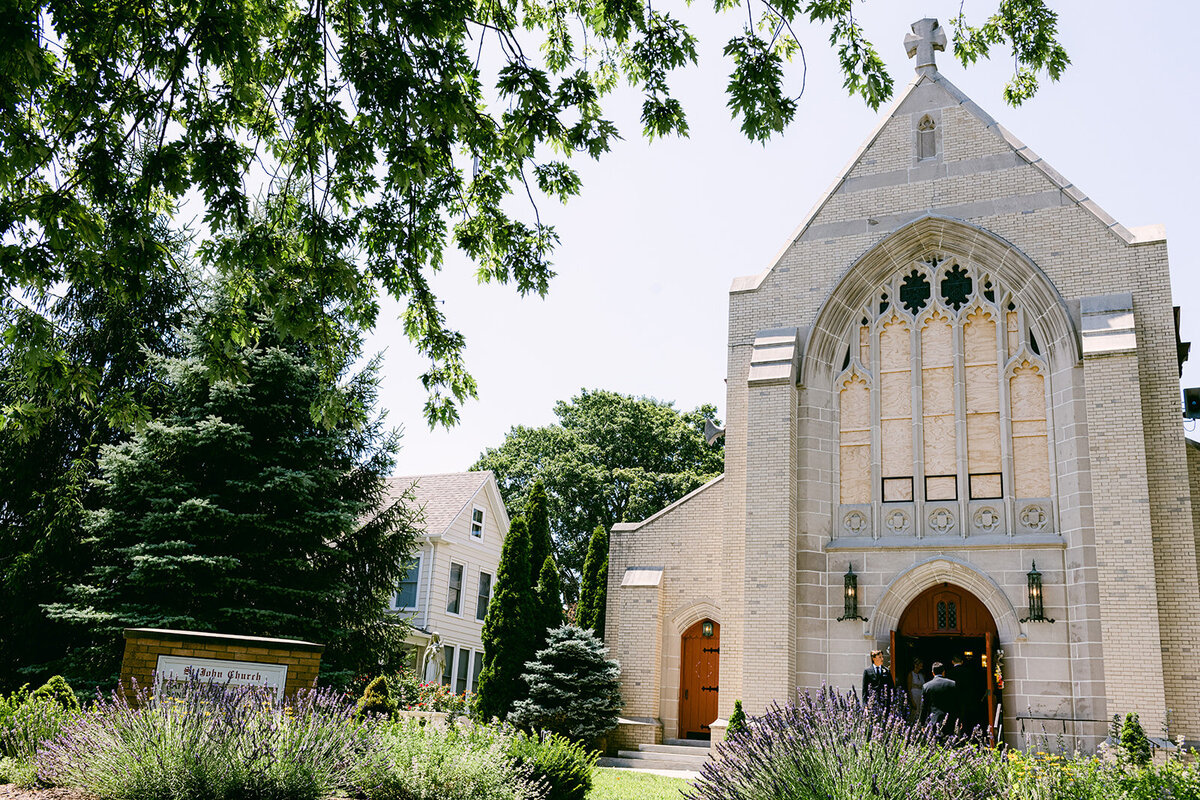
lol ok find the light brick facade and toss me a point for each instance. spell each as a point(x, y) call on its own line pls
point(763, 550)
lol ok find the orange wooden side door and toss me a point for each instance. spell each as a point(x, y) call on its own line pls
point(700, 667)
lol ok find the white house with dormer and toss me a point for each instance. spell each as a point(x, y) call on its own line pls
point(452, 576)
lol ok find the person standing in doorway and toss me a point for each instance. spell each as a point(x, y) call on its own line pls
point(877, 680)
point(916, 683)
point(939, 701)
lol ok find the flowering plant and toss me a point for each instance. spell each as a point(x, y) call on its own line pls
point(998, 668)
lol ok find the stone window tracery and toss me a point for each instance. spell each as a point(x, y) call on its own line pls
point(926, 138)
point(942, 401)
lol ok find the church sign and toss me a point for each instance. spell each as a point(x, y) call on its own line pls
point(176, 669)
point(154, 656)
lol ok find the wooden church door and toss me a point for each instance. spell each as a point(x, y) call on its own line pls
point(699, 685)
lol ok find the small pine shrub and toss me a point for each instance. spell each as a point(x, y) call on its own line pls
point(563, 767)
point(737, 720)
point(376, 700)
point(574, 689)
point(58, 690)
point(1135, 747)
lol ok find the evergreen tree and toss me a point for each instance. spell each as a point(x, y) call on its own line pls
point(50, 438)
point(537, 513)
point(236, 512)
point(1135, 746)
point(593, 594)
point(506, 639)
point(737, 720)
point(549, 601)
point(574, 689)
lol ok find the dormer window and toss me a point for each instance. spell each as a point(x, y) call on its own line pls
point(477, 522)
point(926, 138)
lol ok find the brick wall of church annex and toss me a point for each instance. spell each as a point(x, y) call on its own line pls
point(644, 626)
point(978, 178)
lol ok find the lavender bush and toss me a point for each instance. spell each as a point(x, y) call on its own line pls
point(208, 742)
point(829, 746)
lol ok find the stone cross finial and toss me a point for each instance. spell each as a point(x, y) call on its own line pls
point(927, 35)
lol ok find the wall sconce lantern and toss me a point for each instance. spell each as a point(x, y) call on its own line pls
point(850, 596)
point(1037, 608)
point(706, 629)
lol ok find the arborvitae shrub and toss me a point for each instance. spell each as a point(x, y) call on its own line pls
point(376, 699)
point(593, 590)
point(1135, 747)
point(507, 639)
point(565, 767)
point(58, 690)
point(737, 720)
point(574, 689)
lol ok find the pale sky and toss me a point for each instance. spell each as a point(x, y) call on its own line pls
point(649, 249)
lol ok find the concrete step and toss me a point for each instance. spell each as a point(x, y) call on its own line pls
point(694, 743)
point(649, 755)
point(669, 764)
point(676, 749)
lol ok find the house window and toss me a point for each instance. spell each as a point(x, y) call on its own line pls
point(448, 669)
point(454, 596)
point(478, 669)
point(477, 523)
point(485, 596)
point(406, 590)
point(464, 665)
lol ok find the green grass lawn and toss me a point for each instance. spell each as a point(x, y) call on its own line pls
point(622, 784)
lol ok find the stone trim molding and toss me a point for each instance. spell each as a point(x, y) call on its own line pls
point(905, 587)
point(686, 617)
point(1033, 290)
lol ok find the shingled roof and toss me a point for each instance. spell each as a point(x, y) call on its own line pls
point(443, 497)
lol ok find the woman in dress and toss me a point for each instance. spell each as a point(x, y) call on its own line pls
point(916, 680)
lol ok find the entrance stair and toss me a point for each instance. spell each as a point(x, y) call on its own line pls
point(673, 756)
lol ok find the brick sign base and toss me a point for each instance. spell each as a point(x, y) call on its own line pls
point(143, 646)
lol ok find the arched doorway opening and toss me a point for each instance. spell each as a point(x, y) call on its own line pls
point(699, 679)
point(943, 623)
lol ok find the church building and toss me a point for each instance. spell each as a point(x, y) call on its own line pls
point(953, 429)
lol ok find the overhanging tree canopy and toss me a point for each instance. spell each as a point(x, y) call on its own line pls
point(375, 119)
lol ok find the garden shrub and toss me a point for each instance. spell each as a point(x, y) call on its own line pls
point(1047, 776)
point(205, 741)
point(58, 690)
point(563, 767)
point(1135, 746)
point(737, 720)
point(376, 700)
point(574, 689)
point(20, 771)
point(29, 718)
point(410, 761)
point(828, 746)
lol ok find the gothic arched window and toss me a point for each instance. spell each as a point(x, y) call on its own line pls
point(926, 138)
point(942, 405)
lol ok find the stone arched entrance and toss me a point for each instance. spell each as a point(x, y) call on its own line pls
point(943, 623)
point(699, 679)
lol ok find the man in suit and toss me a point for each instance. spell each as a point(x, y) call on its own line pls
point(877, 680)
point(939, 701)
